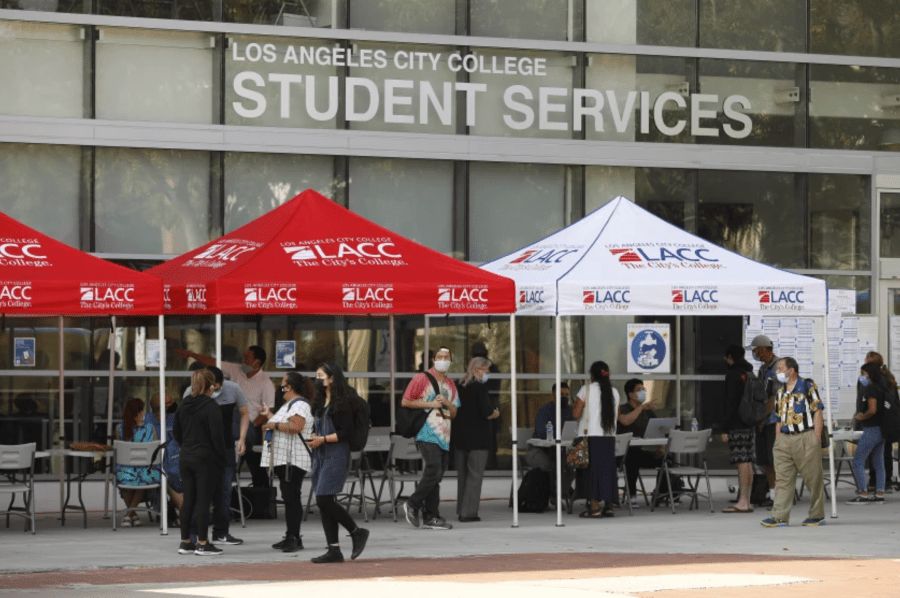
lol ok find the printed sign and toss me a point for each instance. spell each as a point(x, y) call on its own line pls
point(152, 353)
point(285, 354)
point(648, 349)
point(23, 352)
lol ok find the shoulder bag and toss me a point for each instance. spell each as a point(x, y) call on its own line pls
point(577, 455)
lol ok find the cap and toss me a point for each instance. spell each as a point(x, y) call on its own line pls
point(761, 340)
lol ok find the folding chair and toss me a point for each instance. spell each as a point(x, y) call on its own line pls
point(139, 454)
point(17, 465)
point(378, 443)
point(685, 443)
point(402, 449)
point(355, 476)
point(622, 442)
point(569, 431)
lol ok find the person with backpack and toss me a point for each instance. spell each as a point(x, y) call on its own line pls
point(735, 431)
point(332, 409)
point(870, 411)
point(291, 459)
point(434, 391)
point(888, 377)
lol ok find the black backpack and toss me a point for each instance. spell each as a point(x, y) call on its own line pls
point(409, 420)
point(890, 421)
point(752, 408)
point(534, 492)
point(359, 436)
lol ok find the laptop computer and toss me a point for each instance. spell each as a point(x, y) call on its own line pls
point(659, 427)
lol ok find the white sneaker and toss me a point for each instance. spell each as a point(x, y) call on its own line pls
point(126, 521)
point(635, 504)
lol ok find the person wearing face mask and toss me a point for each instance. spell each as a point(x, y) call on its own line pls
point(289, 457)
point(634, 415)
point(235, 423)
point(735, 432)
point(433, 440)
point(869, 412)
point(891, 383)
point(539, 457)
point(472, 437)
point(798, 446)
point(260, 394)
point(765, 434)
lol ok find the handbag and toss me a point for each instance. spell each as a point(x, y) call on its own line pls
point(577, 455)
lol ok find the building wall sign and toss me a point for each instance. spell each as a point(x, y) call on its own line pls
point(546, 108)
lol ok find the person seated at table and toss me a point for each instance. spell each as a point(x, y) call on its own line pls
point(170, 464)
point(540, 457)
point(633, 417)
point(133, 429)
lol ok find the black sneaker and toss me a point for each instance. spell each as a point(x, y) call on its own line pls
point(291, 544)
point(860, 500)
point(413, 517)
point(436, 523)
point(280, 545)
point(333, 555)
point(877, 500)
point(360, 537)
point(207, 550)
point(187, 548)
point(228, 540)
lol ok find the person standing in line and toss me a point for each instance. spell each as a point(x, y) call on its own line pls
point(765, 436)
point(634, 415)
point(259, 392)
point(870, 413)
point(198, 430)
point(134, 428)
point(798, 446)
point(596, 407)
point(290, 458)
point(479, 349)
point(735, 432)
point(890, 383)
point(332, 410)
point(471, 437)
point(433, 440)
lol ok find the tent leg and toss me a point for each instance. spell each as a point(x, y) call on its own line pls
point(62, 423)
point(163, 493)
point(515, 422)
point(425, 363)
point(678, 374)
point(556, 429)
point(393, 368)
point(828, 422)
point(219, 339)
point(109, 410)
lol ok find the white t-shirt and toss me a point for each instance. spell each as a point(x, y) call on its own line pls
point(286, 446)
point(258, 390)
point(592, 410)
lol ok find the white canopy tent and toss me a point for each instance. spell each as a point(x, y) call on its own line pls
point(622, 260)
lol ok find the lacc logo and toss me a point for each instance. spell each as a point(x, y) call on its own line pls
point(548, 256)
point(531, 297)
point(363, 293)
point(264, 294)
point(620, 296)
point(15, 293)
point(781, 299)
point(460, 294)
point(107, 294)
point(226, 252)
point(196, 295)
point(681, 254)
point(695, 296)
point(359, 250)
point(18, 251)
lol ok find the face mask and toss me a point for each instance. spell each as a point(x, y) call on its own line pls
point(442, 366)
point(246, 368)
point(216, 394)
point(864, 381)
point(283, 389)
point(320, 385)
point(642, 396)
point(485, 377)
point(782, 377)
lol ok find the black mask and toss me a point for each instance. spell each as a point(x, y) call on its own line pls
point(320, 386)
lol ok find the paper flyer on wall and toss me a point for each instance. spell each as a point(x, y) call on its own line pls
point(894, 342)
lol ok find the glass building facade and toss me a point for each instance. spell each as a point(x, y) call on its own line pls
point(140, 130)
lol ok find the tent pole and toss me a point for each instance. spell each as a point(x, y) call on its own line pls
point(109, 410)
point(393, 368)
point(556, 430)
point(678, 372)
point(515, 423)
point(828, 421)
point(62, 424)
point(219, 339)
point(163, 494)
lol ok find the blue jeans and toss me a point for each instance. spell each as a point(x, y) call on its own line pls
point(872, 442)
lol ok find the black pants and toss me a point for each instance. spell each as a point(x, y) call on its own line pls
point(290, 494)
point(258, 474)
point(428, 491)
point(332, 515)
point(635, 460)
point(199, 481)
point(221, 500)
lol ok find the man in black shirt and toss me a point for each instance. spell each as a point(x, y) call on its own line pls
point(633, 417)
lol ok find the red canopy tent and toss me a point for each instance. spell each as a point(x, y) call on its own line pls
point(40, 276)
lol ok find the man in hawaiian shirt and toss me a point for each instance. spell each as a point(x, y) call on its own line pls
point(797, 446)
point(433, 440)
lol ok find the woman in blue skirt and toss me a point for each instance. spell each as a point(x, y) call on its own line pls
point(596, 408)
point(332, 410)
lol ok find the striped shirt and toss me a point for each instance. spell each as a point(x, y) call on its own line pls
point(796, 409)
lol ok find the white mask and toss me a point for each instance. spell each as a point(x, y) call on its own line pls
point(642, 396)
point(485, 377)
point(782, 377)
point(442, 365)
point(246, 368)
point(216, 394)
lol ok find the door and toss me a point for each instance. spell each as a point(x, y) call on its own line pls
point(890, 323)
point(889, 287)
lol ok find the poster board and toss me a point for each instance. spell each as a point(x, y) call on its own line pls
point(648, 349)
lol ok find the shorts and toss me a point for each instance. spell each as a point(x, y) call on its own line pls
point(765, 443)
point(740, 444)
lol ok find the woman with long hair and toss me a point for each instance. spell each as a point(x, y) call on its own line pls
point(471, 433)
point(198, 430)
point(286, 453)
point(870, 411)
point(134, 429)
point(332, 409)
point(890, 384)
point(595, 409)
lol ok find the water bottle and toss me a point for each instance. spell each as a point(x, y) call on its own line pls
point(694, 425)
point(549, 435)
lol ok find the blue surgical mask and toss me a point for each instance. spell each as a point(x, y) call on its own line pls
point(864, 381)
point(485, 377)
point(642, 396)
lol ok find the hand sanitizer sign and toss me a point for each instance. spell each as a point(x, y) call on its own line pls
point(648, 349)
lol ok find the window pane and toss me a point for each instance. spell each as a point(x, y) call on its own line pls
point(756, 214)
point(41, 67)
point(839, 222)
point(408, 95)
point(854, 107)
point(890, 224)
point(662, 191)
point(646, 22)
point(151, 201)
point(419, 193)
point(861, 284)
point(855, 27)
point(41, 188)
point(308, 13)
point(758, 103)
point(255, 184)
point(522, 19)
point(512, 205)
point(259, 91)
point(513, 106)
point(742, 25)
point(422, 16)
point(46, 6)
point(153, 75)
point(197, 10)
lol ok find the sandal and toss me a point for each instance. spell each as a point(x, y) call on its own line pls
point(588, 514)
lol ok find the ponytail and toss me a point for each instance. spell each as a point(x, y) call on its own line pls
point(201, 381)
